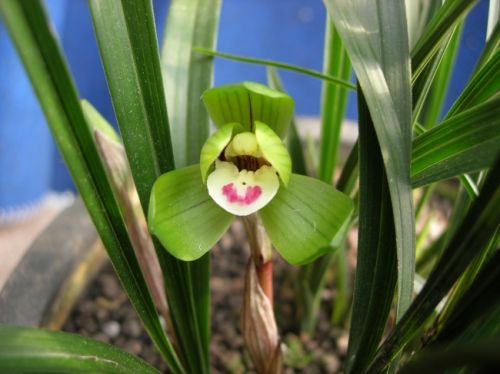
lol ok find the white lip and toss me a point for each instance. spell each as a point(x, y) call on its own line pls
point(242, 192)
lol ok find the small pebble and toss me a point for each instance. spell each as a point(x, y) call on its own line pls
point(132, 328)
point(133, 347)
point(149, 355)
point(331, 363)
point(111, 329)
point(342, 343)
point(226, 242)
point(124, 312)
point(110, 286)
point(83, 332)
point(120, 341)
point(102, 314)
point(238, 231)
point(87, 307)
point(101, 337)
point(86, 323)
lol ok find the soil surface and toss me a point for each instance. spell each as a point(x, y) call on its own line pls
point(104, 313)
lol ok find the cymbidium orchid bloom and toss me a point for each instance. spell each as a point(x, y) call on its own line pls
point(246, 169)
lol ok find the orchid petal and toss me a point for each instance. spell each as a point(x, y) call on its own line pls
point(214, 146)
point(242, 192)
point(274, 151)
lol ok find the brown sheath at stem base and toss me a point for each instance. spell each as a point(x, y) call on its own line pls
point(259, 329)
point(265, 275)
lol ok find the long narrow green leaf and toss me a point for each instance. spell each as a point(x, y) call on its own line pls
point(422, 85)
point(311, 280)
point(478, 356)
point(475, 232)
point(468, 277)
point(336, 62)
point(386, 85)
point(129, 52)
point(312, 276)
point(33, 37)
point(435, 100)
point(462, 144)
point(120, 177)
point(276, 64)
point(424, 82)
point(486, 327)
point(483, 84)
point(294, 143)
point(480, 297)
point(418, 15)
point(481, 335)
point(465, 143)
point(29, 350)
point(342, 288)
point(349, 176)
point(461, 206)
point(333, 101)
point(186, 75)
point(376, 272)
point(492, 46)
point(425, 49)
point(127, 41)
point(426, 261)
point(493, 16)
point(452, 12)
point(484, 70)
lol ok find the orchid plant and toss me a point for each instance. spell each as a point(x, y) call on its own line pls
point(245, 169)
point(443, 296)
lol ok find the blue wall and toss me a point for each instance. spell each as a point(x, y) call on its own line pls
point(25, 141)
point(284, 30)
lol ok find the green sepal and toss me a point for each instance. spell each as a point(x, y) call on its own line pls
point(303, 219)
point(274, 151)
point(247, 102)
point(214, 146)
point(183, 216)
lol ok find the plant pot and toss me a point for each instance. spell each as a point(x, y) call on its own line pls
point(55, 269)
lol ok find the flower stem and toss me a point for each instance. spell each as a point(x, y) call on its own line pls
point(261, 252)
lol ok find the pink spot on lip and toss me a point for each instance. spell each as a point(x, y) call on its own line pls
point(251, 194)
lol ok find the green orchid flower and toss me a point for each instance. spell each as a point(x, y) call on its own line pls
point(246, 169)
